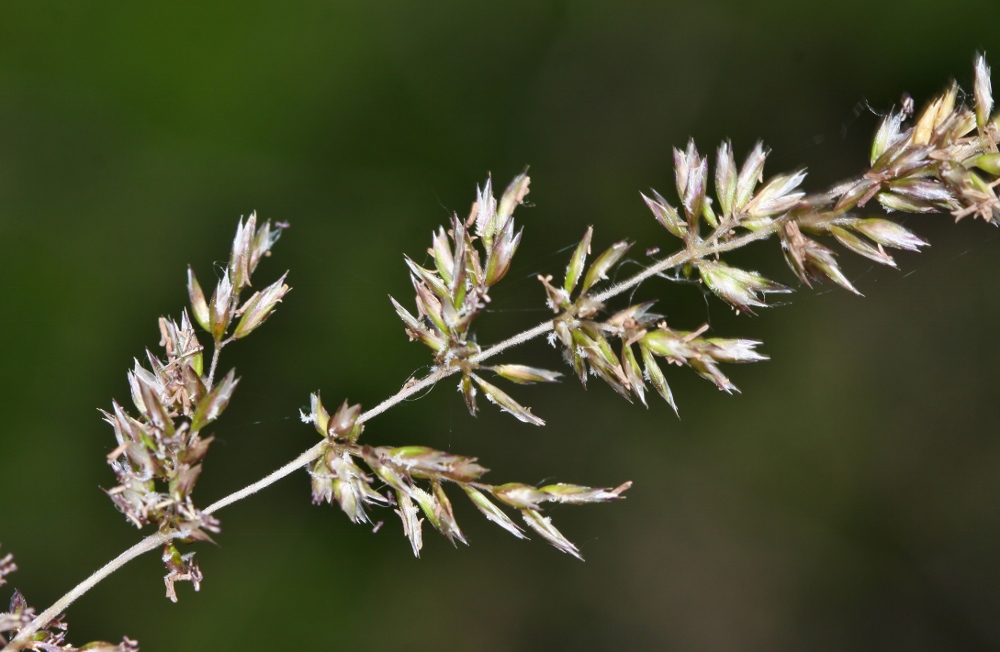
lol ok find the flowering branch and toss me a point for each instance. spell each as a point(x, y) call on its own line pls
point(946, 160)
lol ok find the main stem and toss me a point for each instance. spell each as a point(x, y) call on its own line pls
point(693, 252)
point(151, 542)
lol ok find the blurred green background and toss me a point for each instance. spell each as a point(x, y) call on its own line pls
point(848, 499)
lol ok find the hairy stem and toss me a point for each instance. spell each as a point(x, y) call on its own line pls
point(511, 342)
point(269, 479)
point(23, 637)
point(215, 362)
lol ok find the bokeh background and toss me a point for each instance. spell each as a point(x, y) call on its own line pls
point(848, 499)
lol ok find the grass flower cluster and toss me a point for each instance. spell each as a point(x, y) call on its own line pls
point(943, 160)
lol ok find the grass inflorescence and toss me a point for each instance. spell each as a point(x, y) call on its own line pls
point(942, 160)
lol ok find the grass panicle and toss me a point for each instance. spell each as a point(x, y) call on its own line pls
point(942, 160)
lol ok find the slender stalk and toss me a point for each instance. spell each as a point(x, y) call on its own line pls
point(511, 342)
point(269, 479)
point(407, 391)
point(23, 637)
point(149, 543)
point(215, 363)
